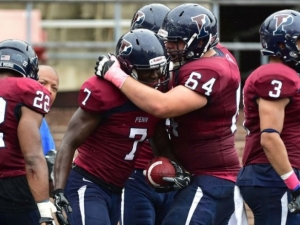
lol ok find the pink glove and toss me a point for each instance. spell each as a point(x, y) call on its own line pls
point(111, 71)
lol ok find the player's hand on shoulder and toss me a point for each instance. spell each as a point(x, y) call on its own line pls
point(103, 64)
point(182, 178)
point(294, 205)
point(62, 206)
point(46, 208)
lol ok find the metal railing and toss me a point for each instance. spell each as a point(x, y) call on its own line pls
point(117, 23)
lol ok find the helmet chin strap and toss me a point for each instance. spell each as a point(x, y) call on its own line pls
point(134, 74)
point(205, 49)
point(191, 54)
point(191, 40)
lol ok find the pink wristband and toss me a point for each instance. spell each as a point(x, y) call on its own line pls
point(292, 181)
point(116, 75)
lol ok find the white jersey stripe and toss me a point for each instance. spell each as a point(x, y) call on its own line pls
point(196, 200)
point(81, 192)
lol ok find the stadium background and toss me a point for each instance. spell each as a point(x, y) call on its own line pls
point(70, 34)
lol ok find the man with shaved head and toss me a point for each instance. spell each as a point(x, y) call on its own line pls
point(48, 77)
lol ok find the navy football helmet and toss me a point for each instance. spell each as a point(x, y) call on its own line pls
point(20, 57)
point(278, 36)
point(193, 24)
point(142, 49)
point(149, 17)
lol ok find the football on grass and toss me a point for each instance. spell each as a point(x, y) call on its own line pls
point(158, 168)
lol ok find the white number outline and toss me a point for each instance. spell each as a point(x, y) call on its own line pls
point(134, 132)
point(276, 88)
point(2, 117)
point(40, 99)
point(192, 80)
point(208, 86)
point(192, 83)
point(87, 97)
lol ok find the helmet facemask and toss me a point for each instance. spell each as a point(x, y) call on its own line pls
point(193, 49)
point(161, 66)
point(142, 49)
point(160, 70)
point(293, 52)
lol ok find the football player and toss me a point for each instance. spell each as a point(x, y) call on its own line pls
point(108, 131)
point(203, 105)
point(141, 205)
point(269, 179)
point(24, 185)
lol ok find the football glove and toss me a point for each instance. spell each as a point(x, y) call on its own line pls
point(294, 205)
point(102, 65)
point(110, 69)
point(62, 204)
point(181, 180)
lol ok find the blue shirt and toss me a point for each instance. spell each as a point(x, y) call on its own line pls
point(46, 137)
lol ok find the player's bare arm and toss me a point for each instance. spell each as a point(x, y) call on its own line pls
point(81, 125)
point(271, 115)
point(163, 105)
point(35, 163)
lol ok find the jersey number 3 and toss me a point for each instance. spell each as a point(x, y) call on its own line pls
point(277, 89)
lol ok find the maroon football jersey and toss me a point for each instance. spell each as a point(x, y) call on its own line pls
point(146, 153)
point(223, 49)
point(203, 139)
point(14, 93)
point(109, 152)
point(144, 156)
point(272, 81)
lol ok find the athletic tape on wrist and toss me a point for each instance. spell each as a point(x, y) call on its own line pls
point(46, 208)
point(116, 75)
point(291, 181)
